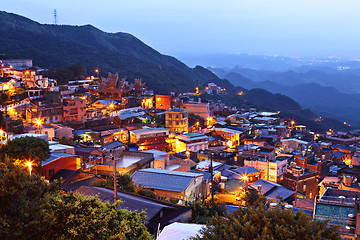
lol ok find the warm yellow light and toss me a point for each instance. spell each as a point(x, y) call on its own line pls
point(38, 122)
point(245, 178)
point(97, 70)
point(29, 165)
point(345, 123)
point(27, 72)
point(240, 93)
point(111, 105)
point(292, 122)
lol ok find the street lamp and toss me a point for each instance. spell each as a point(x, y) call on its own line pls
point(29, 165)
point(39, 123)
point(246, 179)
point(1, 136)
point(97, 72)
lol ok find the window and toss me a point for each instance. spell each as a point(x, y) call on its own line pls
point(51, 172)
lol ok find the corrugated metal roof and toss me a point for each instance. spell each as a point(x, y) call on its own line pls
point(164, 179)
point(55, 156)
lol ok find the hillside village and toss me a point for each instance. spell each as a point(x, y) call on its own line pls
point(180, 147)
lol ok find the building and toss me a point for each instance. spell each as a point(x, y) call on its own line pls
point(74, 109)
point(126, 162)
point(150, 138)
point(58, 161)
point(273, 190)
point(303, 180)
point(294, 144)
point(176, 120)
point(163, 102)
point(200, 109)
point(17, 63)
point(232, 136)
point(167, 184)
point(113, 88)
point(270, 169)
point(191, 142)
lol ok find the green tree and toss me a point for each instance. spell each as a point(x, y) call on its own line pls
point(202, 211)
point(30, 208)
point(26, 148)
point(262, 223)
point(252, 199)
point(125, 182)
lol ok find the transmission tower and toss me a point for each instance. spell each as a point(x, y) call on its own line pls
point(55, 17)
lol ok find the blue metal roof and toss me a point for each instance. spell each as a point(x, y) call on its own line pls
point(164, 179)
point(55, 156)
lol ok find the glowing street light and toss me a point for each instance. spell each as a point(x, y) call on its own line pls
point(38, 123)
point(29, 165)
point(1, 136)
point(97, 72)
point(246, 179)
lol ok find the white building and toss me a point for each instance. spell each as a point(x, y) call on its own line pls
point(191, 142)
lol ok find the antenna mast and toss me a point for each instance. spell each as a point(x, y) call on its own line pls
point(55, 17)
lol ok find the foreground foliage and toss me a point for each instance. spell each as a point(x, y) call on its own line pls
point(33, 209)
point(262, 223)
point(25, 149)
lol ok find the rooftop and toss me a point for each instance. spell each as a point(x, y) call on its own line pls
point(164, 179)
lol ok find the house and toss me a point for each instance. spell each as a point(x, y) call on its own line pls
point(270, 169)
point(232, 136)
point(176, 120)
point(273, 190)
point(294, 144)
point(167, 184)
point(304, 180)
point(74, 109)
point(336, 205)
point(200, 109)
point(163, 102)
point(58, 161)
point(150, 138)
point(125, 161)
point(191, 142)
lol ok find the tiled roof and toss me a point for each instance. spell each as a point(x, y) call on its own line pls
point(164, 179)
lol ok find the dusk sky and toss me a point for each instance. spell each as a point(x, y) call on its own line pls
point(282, 27)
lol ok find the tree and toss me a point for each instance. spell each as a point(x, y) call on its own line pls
point(252, 199)
point(26, 148)
point(262, 223)
point(202, 211)
point(30, 208)
point(125, 182)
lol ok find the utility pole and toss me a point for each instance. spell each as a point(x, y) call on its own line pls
point(114, 163)
point(296, 189)
point(268, 167)
point(212, 180)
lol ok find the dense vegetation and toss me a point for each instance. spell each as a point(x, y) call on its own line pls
point(30, 208)
point(261, 223)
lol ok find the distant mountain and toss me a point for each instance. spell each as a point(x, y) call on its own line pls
point(53, 46)
point(61, 45)
point(219, 60)
point(326, 101)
